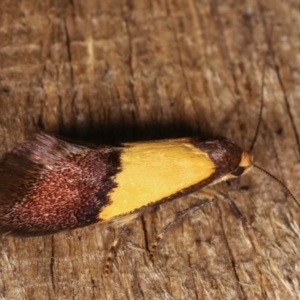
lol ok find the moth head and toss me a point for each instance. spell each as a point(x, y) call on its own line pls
point(245, 165)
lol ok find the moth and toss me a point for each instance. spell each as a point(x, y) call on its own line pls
point(48, 185)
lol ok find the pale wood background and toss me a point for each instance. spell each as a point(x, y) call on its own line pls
point(111, 71)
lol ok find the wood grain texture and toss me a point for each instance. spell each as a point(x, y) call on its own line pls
point(113, 71)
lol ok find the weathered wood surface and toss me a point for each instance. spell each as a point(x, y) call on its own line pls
point(107, 71)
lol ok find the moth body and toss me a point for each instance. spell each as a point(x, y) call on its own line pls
point(48, 185)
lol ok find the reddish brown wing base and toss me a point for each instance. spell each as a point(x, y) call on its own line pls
point(48, 185)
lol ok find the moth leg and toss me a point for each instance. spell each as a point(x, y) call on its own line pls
point(179, 216)
point(234, 208)
point(113, 250)
point(238, 214)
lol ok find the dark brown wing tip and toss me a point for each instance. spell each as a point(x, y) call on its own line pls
point(45, 149)
point(24, 165)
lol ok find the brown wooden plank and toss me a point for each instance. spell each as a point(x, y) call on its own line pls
point(104, 71)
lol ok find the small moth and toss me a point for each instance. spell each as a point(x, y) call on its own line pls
point(48, 185)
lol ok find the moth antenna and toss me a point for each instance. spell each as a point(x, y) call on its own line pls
point(278, 181)
point(260, 110)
